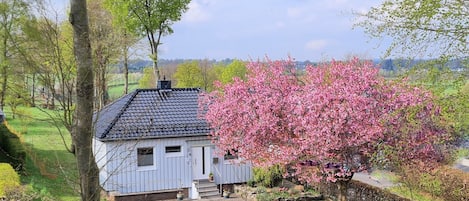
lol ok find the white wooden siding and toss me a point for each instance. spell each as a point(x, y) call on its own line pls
point(99, 151)
point(232, 171)
point(122, 174)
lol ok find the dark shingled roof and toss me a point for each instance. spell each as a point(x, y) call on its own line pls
point(152, 113)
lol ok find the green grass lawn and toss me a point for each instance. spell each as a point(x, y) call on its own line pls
point(118, 78)
point(50, 169)
point(116, 92)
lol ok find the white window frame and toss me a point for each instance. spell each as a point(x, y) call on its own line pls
point(174, 154)
point(146, 167)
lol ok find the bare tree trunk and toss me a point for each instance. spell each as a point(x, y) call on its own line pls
point(154, 51)
point(342, 187)
point(4, 86)
point(33, 92)
point(82, 131)
point(4, 72)
point(126, 68)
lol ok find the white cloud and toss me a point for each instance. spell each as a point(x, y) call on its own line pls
point(196, 12)
point(316, 44)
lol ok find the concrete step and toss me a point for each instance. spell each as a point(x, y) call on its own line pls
point(207, 190)
point(212, 194)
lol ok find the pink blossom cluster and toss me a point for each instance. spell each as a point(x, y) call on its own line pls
point(325, 123)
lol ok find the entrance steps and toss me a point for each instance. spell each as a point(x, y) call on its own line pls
point(207, 189)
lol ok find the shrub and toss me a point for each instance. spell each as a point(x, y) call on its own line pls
point(27, 193)
point(15, 152)
point(9, 179)
point(444, 182)
point(268, 177)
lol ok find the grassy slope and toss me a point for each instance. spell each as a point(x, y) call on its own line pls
point(50, 169)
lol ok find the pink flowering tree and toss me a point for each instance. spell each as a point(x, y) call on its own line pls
point(326, 124)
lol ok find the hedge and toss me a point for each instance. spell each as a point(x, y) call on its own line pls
point(12, 148)
point(9, 179)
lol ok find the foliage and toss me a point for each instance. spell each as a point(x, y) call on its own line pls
point(148, 79)
point(189, 75)
point(328, 123)
point(442, 183)
point(26, 193)
point(263, 195)
point(104, 47)
point(449, 89)
point(9, 179)
point(13, 14)
point(430, 28)
point(237, 68)
point(151, 19)
point(268, 177)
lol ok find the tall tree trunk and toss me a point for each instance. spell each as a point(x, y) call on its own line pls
point(33, 91)
point(154, 51)
point(126, 68)
point(4, 66)
point(4, 85)
point(82, 131)
point(342, 187)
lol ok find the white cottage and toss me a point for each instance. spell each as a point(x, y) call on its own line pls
point(152, 143)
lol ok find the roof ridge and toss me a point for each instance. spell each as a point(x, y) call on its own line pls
point(117, 117)
point(175, 89)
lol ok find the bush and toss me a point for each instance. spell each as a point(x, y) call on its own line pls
point(27, 193)
point(15, 152)
point(268, 177)
point(445, 182)
point(9, 179)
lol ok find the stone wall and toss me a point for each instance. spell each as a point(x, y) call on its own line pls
point(358, 191)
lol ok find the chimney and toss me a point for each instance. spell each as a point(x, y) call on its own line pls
point(164, 84)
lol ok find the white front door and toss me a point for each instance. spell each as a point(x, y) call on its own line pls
point(200, 162)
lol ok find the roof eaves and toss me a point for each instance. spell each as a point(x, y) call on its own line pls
point(152, 137)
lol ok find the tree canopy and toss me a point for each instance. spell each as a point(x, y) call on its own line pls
point(149, 18)
point(331, 122)
point(431, 28)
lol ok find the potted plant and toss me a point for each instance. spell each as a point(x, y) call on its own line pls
point(210, 177)
point(180, 195)
point(226, 192)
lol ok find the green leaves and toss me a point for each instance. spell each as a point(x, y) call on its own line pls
point(428, 28)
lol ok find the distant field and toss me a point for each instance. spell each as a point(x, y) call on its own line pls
point(118, 79)
point(116, 84)
point(117, 91)
point(50, 168)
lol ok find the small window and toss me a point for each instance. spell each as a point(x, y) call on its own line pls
point(145, 156)
point(173, 149)
point(230, 155)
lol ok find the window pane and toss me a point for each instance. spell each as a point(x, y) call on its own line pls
point(145, 156)
point(173, 149)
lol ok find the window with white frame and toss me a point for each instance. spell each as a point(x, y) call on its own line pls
point(145, 156)
point(175, 150)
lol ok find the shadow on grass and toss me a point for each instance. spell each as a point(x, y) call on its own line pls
point(51, 172)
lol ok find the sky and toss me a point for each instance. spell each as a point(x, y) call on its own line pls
point(314, 30)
